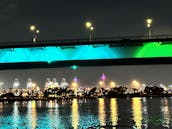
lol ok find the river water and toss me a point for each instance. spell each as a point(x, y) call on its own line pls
point(137, 113)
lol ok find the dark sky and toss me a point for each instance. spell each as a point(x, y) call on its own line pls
point(64, 19)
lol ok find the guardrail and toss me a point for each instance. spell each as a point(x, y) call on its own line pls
point(67, 42)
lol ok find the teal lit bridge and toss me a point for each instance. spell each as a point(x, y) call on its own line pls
point(64, 53)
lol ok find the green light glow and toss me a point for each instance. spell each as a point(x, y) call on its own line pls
point(154, 49)
point(51, 54)
point(74, 67)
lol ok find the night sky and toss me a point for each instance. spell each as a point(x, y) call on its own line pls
point(65, 19)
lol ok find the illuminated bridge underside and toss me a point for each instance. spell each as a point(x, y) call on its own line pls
point(86, 55)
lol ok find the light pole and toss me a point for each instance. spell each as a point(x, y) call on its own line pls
point(148, 24)
point(90, 28)
point(35, 33)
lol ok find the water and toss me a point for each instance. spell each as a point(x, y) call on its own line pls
point(144, 113)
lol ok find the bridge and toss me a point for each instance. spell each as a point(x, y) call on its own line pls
point(81, 52)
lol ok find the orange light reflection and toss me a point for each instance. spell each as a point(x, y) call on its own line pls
point(114, 111)
point(102, 112)
point(75, 114)
point(137, 112)
point(32, 115)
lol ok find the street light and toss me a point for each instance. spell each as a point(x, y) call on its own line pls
point(148, 24)
point(35, 33)
point(32, 28)
point(88, 24)
point(90, 28)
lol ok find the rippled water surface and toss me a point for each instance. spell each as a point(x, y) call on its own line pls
point(140, 113)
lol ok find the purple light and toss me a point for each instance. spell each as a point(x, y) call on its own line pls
point(75, 79)
point(103, 77)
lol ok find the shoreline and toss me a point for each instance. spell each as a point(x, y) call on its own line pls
point(16, 98)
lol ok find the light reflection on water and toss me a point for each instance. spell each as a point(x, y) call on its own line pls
point(53, 114)
point(145, 113)
point(75, 114)
point(101, 110)
point(165, 112)
point(114, 111)
point(137, 112)
point(32, 114)
point(15, 114)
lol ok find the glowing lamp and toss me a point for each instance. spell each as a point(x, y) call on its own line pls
point(149, 21)
point(32, 27)
point(88, 24)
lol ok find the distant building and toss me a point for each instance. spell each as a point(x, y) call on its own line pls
point(63, 83)
point(55, 83)
point(51, 84)
point(48, 83)
point(16, 83)
point(29, 84)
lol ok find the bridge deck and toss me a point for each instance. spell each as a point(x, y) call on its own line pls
point(99, 52)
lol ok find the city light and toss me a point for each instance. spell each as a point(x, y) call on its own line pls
point(136, 84)
point(74, 84)
point(101, 83)
point(103, 77)
point(34, 85)
point(112, 84)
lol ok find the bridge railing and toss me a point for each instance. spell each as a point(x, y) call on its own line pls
point(66, 42)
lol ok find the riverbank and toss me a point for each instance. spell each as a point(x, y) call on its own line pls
point(18, 98)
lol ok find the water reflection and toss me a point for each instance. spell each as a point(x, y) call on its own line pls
point(1, 107)
point(145, 112)
point(53, 114)
point(102, 113)
point(137, 112)
point(166, 112)
point(75, 114)
point(114, 111)
point(52, 104)
point(150, 113)
point(15, 114)
point(32, 114)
